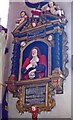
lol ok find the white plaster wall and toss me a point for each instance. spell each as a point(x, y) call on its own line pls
point(2, 48)
point(63, 102)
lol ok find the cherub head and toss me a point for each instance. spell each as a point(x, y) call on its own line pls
point(33, 108)
point(34, 23)
point(51, 4)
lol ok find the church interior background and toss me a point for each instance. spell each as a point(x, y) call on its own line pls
point(62, 109)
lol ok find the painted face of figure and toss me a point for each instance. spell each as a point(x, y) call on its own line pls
point(51, 4)
point(33, 24)
point(22, 14)
point(34, 52)
point(33, 108)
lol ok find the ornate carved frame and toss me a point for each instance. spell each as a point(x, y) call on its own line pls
point(47, 106)
point(55, 77)
point(49, 55)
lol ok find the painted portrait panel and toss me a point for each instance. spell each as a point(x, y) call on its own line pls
point(35, 61)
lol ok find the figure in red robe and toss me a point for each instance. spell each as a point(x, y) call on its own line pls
point(34, 112)
point(34, 66)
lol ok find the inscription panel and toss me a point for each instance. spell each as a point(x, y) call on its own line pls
point(35, 95)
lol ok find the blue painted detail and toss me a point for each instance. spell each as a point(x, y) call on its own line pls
point(5, 105)
point(51, 17)
point(61, 54)
point(58, 25)
point(35, 5)
point(48, 28)
point(22, 35)
point(23, 25)
point(15, 60)
point(18, 35)
point(57, 51)
point(41, 33)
